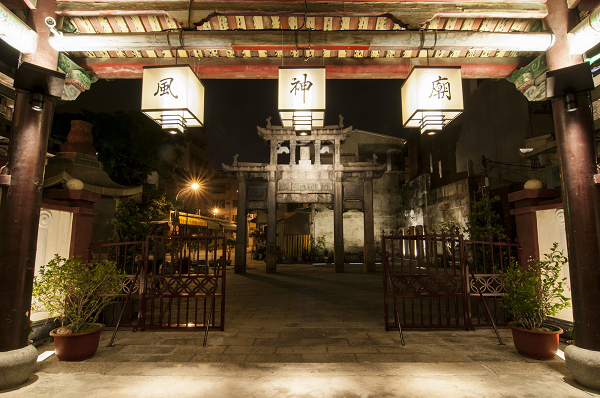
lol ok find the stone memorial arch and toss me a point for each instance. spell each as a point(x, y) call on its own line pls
point(343, 186)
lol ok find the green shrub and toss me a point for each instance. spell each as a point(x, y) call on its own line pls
point(535, 293)
point(76, 292)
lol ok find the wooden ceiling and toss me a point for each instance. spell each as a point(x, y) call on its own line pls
point(338, 34)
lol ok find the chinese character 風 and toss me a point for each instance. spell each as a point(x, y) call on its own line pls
point(164, 87)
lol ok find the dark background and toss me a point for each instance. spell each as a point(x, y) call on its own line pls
point(233, 108)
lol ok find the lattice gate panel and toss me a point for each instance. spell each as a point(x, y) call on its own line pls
point(488, 260)
point(428, 281)
point(175, 281)
point(424, 281)
point(128, 256)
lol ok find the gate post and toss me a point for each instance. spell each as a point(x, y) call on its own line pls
point(385, 263)
point(242, 231)
point(465, 278)
point(272, 224)
point(369, 227)
point(143, 279)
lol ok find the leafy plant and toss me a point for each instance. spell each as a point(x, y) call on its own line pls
point(446, 227)
point(129, 223)
point(259, 238)
point(132, 220)
point(484, 221)
point(230, 246)
point(321, 241)
point(534, 293)
point(76, 292)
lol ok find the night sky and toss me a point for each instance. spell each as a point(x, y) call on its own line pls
point(233, 109)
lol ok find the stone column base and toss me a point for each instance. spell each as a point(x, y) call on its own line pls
point(584, 365)
point(16, 366)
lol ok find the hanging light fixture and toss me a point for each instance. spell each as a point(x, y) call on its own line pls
point(431, 98)
point(173, 97)
point(302, 98)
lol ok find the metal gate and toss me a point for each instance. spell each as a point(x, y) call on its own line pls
point(442, 280)
point(171, 282)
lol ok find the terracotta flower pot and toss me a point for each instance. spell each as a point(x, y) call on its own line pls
point(77, 346)
point(536, 344)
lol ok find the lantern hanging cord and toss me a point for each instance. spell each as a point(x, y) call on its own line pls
point(180, 46)
point(422, 45)
point(189, 24)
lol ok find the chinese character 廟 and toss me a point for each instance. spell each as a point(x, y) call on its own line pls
point(441, 88)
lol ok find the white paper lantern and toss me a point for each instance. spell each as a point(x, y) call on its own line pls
point(173, 97)
point(431, 98)
point(302, 97)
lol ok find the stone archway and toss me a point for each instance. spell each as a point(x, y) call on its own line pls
point(344, 186)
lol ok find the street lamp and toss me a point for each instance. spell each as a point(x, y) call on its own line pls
point(215, 212)
point(193, 187)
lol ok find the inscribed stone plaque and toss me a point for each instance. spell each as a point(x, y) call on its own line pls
point(304, 155)
point(353, 190)
point(305, 186)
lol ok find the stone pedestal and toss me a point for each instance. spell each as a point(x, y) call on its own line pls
point(584, 365)
point(16, 366)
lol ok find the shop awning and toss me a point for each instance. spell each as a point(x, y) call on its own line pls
point(221, 225)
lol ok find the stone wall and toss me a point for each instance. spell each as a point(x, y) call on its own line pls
point(421, 205)
point(386, 212)
point(450, 202)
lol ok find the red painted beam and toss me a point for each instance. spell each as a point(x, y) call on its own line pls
point(397, 68)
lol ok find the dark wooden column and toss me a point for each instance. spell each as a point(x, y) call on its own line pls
point(369, 225)
point(19, 218)
point(21, 201)
point(575, 142)
point(241, 232)
point(272, 224)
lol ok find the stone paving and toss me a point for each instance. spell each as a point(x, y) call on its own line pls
point(304, 332)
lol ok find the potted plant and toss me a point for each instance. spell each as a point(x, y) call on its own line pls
point(76, 293)
point(532, 294)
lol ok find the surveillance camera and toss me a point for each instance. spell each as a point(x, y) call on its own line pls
point(50, 22)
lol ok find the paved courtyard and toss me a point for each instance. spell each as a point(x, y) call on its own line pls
point(303, 332)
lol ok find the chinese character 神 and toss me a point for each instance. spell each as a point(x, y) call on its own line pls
point(164, 87)
point(298, 85)
point(441, 88)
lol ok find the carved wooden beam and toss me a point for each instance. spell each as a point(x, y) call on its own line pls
point(337, 68)
point(411, 12)
point(289, 40)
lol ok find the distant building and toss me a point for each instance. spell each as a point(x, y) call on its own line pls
point(222, 188)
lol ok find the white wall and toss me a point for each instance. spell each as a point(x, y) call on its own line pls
point(551, 228)
point(54, 237)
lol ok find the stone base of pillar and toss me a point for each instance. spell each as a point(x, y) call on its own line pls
point(240, 259)
point(16, 366)
point(338, 258)
point(271, 259)
point(584, 365)
point(369, 257)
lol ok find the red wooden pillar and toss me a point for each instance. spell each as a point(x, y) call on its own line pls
point(575, 142)
point(20, 210)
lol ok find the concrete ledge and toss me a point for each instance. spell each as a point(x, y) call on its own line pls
point(16, 366)
point(584, 365)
